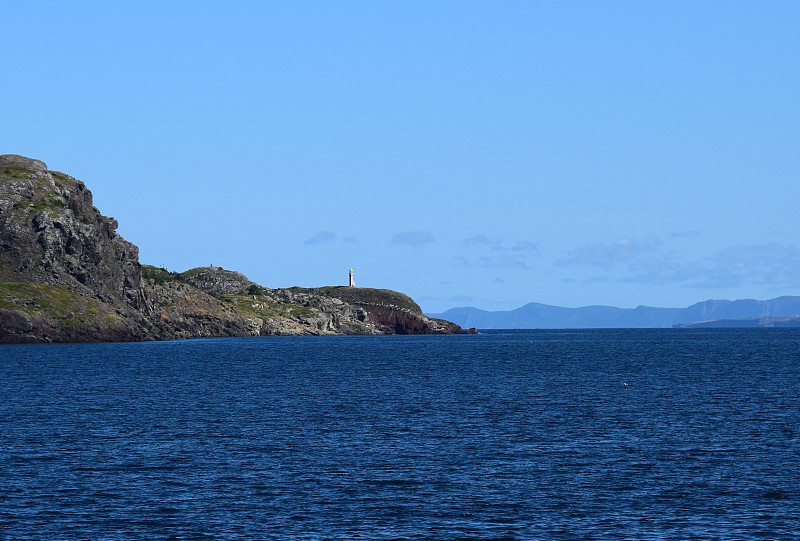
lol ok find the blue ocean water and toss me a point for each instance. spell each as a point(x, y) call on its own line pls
point(566, 435)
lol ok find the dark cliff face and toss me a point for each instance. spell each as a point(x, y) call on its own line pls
point(51, 233)
point(67, 276)
point(394, 321)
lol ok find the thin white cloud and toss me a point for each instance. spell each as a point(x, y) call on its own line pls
point(499, 255)
point(461, 298)
point(479, 240)
point(527, 247)
point(412, 238)
point(322, 237)
point(661, 269)
point(769, 264)
point(647, 262)
point(610, 254)
point(502, 261)
point(734, 266)
point(685, 234)
point(454, 298)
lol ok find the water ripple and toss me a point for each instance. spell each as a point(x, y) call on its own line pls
point(590, 435)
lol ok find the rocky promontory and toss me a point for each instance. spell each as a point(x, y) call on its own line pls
point(66, 275)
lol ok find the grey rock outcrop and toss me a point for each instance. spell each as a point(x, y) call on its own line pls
point(218, 281)
point(23, 162)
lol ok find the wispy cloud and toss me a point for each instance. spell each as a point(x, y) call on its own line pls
point(662, 269)
point(527, 247)
point(496, 254)
point(768, 264)
point(501, 261)
point(479, 240)
point(453, 298)
point(461, 298)
point(685, 234)
point(610, 254)
point(322, 237)
point(734, 266)
point(631, 260)
point(647, 261)
point(412, 238)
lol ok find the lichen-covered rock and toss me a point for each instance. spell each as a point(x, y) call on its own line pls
point(28, 164)
point(218, 281)
point(180, 310)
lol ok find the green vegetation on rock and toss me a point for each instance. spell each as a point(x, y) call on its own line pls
point(198, 270)
point(264, 308)
point(49, 204)
point(14, 171)
point(367, 296)
point(69, 308)
point(160, 275)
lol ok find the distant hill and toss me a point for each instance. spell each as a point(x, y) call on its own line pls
point(768, 321)
point(543, 316)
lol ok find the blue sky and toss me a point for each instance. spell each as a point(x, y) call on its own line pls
point(482, 154)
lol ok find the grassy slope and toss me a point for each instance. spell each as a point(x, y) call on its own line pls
point(69, 308)
point(362, 295)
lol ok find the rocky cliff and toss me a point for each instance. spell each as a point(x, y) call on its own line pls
point(66, 276)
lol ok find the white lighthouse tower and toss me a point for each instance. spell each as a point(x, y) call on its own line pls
point(352, 280)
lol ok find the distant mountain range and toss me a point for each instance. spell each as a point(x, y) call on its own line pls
point(543, 316)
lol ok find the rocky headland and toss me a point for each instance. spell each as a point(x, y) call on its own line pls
point(66, 275)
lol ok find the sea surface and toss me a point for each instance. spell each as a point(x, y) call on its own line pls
point(662, 434)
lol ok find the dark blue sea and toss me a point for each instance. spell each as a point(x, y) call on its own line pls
point(660, 434)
